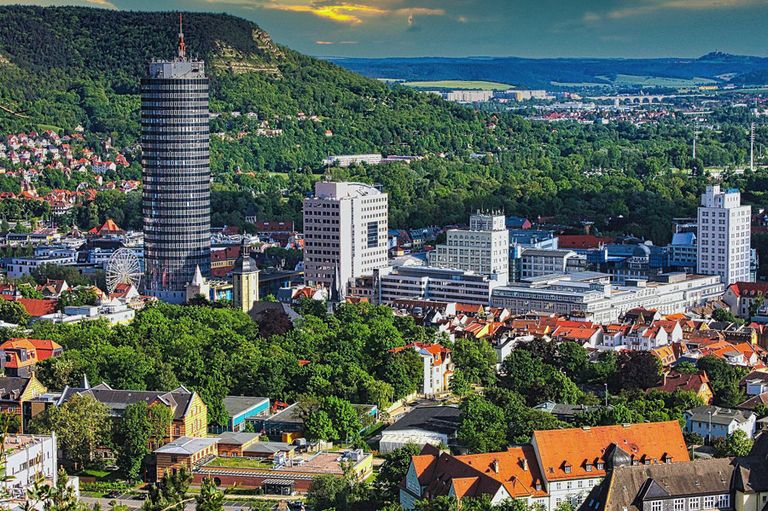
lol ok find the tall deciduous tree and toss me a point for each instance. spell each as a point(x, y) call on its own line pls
point(132, 439)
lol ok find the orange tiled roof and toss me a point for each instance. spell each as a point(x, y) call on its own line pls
point(35, 307)
point(473, 475)
point(565, 453)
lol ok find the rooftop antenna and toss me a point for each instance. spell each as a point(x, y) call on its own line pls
point(182, 45)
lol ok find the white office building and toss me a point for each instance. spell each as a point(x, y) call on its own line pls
point(724, 235)
point(345, 234)
point(592, 295)
point(435, 284)
point(535, 262)
point(483, 248)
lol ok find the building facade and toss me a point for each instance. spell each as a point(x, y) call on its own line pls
point(245, 280)
point(176, 175)
point(429, 283)
point(483, 248)
point(724, 236)
point(345, 234)
point(593, 296)
point(27, 458)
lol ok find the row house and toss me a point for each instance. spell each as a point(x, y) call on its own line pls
point(558, 467)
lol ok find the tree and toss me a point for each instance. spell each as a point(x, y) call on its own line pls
point(13, 312)
point(393, 470)
point(572, 358)
point(170, 493)
point(318, 426)
point(81, 424)
point(160, 418)
point(482, 426)
point(328, 492)
point(442, 503)
point(78, 296)
point(132, 439)
point(735, 444)
point(210, 497)
point(726, 316)
point(476, 359)
point(639, 369)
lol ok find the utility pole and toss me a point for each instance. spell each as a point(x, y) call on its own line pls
point(752, 147)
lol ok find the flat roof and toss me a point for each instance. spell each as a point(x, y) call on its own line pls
point(235, 405)
point(186, 445)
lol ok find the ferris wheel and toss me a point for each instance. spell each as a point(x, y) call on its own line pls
point(123, 268)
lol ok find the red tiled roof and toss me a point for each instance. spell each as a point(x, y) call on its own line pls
point(681, 381)
point(749, 288)
point(565, 453)
point(35, 307)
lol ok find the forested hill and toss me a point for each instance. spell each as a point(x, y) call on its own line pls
point(64, 66)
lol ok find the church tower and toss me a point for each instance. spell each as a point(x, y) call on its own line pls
point(245, 280)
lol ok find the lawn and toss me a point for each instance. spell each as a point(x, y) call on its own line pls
point(459, 84)
point(239, 463)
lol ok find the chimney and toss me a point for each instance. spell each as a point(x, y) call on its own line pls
point(524, 464)
point(495, 466)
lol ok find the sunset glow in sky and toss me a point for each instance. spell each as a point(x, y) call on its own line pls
point(529, 28)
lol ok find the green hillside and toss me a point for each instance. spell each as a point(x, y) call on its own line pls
point(65, 66)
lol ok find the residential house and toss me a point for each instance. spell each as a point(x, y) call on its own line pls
point(434, 425)
point(188, 411)
point(715, 422)
point(20, 356)
point(741, 296)
point(573, 461)
point(437, 366)
point(755, 383)
point(698, 383)
point(513, 473)
point(17, 396)
point(567, 412)
point(26, 459)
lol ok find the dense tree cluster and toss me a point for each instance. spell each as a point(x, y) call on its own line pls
point(218, 351)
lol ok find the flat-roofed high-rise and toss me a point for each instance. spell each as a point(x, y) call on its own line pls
point(176, 174)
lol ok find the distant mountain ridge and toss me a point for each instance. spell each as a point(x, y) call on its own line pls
point(715, 68)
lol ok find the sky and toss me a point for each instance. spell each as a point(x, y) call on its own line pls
point(525, 28)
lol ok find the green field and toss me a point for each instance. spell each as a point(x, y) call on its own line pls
point(459, 84)
point(239, 463)
point(658, 81)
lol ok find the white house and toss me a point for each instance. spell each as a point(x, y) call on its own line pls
point(714, 422)
point(438, 366)
point(28, 457)
point(434, 425)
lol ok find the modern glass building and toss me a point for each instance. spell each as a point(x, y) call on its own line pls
point(176, 175)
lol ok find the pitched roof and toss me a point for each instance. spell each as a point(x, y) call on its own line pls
point(565, 453)
point(682, 381)
point(625, 488)
point(749, 288)
point(481, 474)
point(117, 400)
point(12, 387)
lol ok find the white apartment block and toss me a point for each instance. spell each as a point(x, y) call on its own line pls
point(345, 234)
point(483, 249)
point(592, 295)
point(28, 457)
point(724, 236)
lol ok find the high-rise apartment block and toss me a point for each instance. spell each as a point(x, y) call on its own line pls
point(176, 175)
point(724, 235)
point(483, 248)
point(345, 234)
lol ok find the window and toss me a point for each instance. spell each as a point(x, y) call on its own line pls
point(678, 505)
point(657, 505)
point(709, 502)
point(723, 501)
point(694, 504)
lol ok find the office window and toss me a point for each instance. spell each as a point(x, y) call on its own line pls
point(723, 501)
point(709, 502)
point(694, 504)
point(657, 505)
point(678, 505)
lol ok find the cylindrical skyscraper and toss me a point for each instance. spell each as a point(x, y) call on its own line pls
point(176, 175)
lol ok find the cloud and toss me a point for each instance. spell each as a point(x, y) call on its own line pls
point(654, 6)
point(353, 13)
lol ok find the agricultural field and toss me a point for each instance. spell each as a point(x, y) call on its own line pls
point(459, 84)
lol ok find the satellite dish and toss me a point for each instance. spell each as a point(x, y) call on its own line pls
point(123, 268)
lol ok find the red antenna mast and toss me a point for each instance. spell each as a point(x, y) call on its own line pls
point(182, 45)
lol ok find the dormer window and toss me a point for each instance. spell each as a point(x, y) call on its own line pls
point(567, 469)
point(600, 465)
point(588, 467)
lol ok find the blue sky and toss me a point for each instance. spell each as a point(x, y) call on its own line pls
point(528, 28)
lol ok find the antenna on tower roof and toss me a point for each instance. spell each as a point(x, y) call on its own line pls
point(182, 45)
